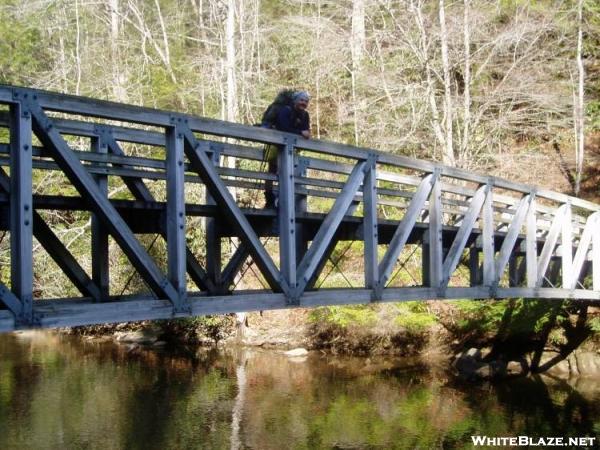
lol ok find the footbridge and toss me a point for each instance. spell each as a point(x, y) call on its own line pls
point(179, 199)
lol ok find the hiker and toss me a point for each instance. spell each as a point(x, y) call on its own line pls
point(288, 113)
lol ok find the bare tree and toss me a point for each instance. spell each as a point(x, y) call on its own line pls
point(579, 115)
point(464, 152)
point(448, 154)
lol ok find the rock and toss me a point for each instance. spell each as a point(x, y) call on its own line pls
point(474, 353)
point(560, 367)
point(296, 352)
point(588, 363)
point(485, 371)
point(516, 368)
point(148, 336)
point(469, 365)
point(485, 352)
point(159, 344)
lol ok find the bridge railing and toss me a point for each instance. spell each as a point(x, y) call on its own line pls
point(139, 170)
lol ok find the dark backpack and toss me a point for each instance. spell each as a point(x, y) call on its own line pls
point(284, 98)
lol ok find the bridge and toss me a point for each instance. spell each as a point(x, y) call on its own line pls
point(512, 239)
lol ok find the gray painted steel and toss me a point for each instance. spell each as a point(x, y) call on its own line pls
point(521, 241)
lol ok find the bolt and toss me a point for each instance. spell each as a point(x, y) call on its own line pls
point(27, 223)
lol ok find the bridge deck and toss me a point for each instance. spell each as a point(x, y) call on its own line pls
point(136, 171)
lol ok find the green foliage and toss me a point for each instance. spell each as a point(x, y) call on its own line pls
point(594, 324)
point(344, 316)
point(415, 317)
point(521, 317)
point(23, 50)
point(592, 113)
point(412, 317)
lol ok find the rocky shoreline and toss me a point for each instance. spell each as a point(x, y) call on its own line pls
point(478, 363)
point(472, 364)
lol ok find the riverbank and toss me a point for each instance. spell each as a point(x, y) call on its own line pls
point(477, 340)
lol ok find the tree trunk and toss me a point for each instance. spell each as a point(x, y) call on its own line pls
point(464, 155)
point(448, 156)
point(118, 79)
point(357, 46)
point(579, 105)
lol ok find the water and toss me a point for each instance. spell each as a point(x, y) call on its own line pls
point(60, 392)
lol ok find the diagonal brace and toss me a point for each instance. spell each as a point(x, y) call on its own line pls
point(311, 259)
point(403, 231)
point(88, 188)
point(591, 227)
point(205, 168)
point(550, 244)
point(460, 241)
point(234, 266)
point(57, 251)
point(511, 238)
point(141, 192)
point(10, 300)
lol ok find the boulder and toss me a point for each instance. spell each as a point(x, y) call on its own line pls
point(140, 337)
point(296, 352)
point(484, 372)
point(588, 363)
point(516, 368)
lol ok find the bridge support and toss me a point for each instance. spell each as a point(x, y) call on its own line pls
point(100, 256)
point(21, 209)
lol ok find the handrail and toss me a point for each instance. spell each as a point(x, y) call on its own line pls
point(146, 116)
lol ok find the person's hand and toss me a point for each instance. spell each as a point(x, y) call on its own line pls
point(306, 134)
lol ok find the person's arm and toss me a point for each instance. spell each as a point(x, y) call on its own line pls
point(306, 126)
point(284, 121)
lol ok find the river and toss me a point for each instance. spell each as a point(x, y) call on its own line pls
point(64, 392)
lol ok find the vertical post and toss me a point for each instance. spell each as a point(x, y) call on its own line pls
point(175, 226)
point(370, 225)
point(213, 238)
point(100, 266)
point(435, 234)
point(487, 238)
point(531, 244)
point(300, 167)
point(21, 206)
point(567, 249)
point(287, 213)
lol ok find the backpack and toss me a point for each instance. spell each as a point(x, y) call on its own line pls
point(284, 98)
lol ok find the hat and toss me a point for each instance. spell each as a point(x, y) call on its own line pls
point(301, 95)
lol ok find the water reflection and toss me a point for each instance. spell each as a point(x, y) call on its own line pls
point(60, 392)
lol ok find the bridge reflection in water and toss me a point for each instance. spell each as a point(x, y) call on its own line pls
point(515, 240)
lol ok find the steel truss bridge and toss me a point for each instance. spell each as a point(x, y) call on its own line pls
point(514, 240)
